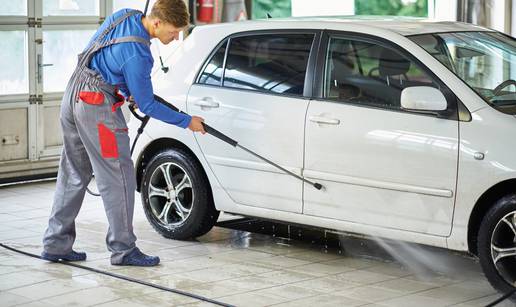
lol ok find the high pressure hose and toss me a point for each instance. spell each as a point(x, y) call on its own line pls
point(122, 277)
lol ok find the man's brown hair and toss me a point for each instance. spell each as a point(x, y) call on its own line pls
point(173, 12)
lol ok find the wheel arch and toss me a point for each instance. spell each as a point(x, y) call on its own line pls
point(483, 204)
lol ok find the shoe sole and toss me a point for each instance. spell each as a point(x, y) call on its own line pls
point(56, 258)
point(135, 264)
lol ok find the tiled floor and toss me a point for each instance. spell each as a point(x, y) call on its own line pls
point(234, 267)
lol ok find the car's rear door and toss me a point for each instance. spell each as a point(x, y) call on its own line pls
point(253, 89)
point(380, 165)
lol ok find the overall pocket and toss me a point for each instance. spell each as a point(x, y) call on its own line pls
point(95, 98)
point(108, 142)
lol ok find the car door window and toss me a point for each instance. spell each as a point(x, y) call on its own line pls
point(274, 63)
point(212, 72)
point(369, 73)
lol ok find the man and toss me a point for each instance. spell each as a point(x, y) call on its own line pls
point(95, 132)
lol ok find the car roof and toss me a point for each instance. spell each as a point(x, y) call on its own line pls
point(401, 25)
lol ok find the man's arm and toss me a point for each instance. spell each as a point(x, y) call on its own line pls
point(136, 72)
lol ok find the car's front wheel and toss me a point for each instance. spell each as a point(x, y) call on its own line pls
point(176, 196)
point(497, 244)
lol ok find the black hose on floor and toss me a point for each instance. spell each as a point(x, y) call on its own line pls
point(502, 298)
point(126, 278)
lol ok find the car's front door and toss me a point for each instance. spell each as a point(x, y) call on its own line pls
point(380, 165)
point(255, 96)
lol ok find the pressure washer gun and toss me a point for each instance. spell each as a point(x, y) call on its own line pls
point(214, 132)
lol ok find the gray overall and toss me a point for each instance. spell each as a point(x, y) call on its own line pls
point(95, 141)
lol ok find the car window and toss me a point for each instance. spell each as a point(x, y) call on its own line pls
point(271, 63)
point(368, 73)
point(486, 61)
point(212, 73)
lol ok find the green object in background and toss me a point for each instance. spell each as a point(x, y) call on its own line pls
point(276, 8)
point(415, 8)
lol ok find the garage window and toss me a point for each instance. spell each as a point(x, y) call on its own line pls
point(212, 73)
point(274, 63)
point(369, 73)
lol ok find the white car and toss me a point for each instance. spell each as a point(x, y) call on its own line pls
point(408, 125)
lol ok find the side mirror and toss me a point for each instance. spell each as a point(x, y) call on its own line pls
point(423, 98)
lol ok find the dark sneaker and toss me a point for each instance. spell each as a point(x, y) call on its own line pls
point(137, 258)
point(71, 256)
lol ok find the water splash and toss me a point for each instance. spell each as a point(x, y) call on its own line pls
point(423, 261)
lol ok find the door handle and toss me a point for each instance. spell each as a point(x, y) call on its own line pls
point(207, 102)
point(40, 66)
point(324, 120)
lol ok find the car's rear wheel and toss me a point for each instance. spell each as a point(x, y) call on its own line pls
point(176, 196)
point(497, 244)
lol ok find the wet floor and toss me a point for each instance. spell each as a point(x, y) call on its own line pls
point(422, 260)
point(242, 262)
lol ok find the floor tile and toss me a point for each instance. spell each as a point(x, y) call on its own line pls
point(88, 297)
point(363, 277)
point(54, 287)
point(252, 299)
point(290, 291)
point(414, 300)
point(369, 294)
point(458, 293)
point(22, 278)
point(285, 276)
point(326, 300)
point(10, 299)
point(403, 285)
point(326, 284)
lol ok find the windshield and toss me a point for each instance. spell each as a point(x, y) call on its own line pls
point(486, 61)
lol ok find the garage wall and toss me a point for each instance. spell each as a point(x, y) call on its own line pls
point(13, 138)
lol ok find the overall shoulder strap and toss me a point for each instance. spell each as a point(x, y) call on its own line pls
point(115, 23)
point(99, 43)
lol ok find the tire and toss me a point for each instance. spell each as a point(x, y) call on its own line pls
point(495, 229)
point(190, 211)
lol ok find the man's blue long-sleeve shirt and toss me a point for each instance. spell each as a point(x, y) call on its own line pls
point(129, 65)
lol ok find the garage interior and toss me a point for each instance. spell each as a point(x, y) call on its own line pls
point(242, 261)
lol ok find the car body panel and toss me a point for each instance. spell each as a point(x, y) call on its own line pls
point(382, 167)
point(491, 133)
point(259, 122)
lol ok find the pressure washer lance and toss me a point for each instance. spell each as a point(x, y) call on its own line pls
point(221, 136)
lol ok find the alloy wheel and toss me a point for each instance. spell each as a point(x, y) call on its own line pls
point(170, 194)
point(503, 248)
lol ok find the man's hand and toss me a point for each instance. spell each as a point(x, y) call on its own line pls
point(196, 124)
point(131, 101)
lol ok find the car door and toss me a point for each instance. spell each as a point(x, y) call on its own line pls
point(380, 165)
point(252, 90)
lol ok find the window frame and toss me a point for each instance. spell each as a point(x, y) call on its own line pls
point(453, 102)
point(208, 61)
point(310, 70)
